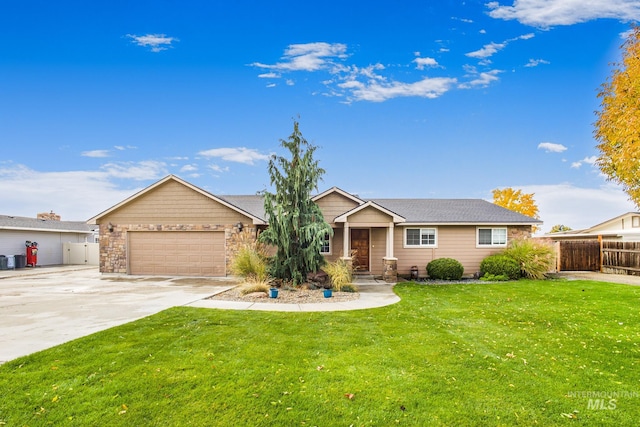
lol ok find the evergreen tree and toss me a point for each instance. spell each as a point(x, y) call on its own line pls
point(296, 225)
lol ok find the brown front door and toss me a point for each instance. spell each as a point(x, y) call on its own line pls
point(360, 244)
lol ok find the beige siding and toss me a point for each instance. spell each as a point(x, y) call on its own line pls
point(173, 203)
point(177, 253)
point(457, 242)
point(378, 250)
point(369, 215)
point(336, 245)
point(333, 205)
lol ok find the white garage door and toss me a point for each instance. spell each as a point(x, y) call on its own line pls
point(177, 253)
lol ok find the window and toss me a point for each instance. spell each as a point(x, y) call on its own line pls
point(492, 236)
point(635, 221)
point(420, 237)
point(326, 245)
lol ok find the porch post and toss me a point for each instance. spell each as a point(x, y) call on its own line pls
point(346, 253)
point(390, 240)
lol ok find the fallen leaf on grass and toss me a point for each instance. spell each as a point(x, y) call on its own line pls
point(349, 396)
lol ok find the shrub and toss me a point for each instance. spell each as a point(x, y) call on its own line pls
point(340, 272)
point(500, 265)
point(254, 286)
point(535, 257)
point(349, 287)
point(250, 258)
point(249, 264)
point(445, 269)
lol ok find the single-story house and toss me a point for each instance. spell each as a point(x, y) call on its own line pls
point(175, 228)
point(48, 231)
point(623, 228)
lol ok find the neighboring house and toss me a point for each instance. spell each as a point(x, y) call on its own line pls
point(624, 228)
point(175, 228)
point(50, 234)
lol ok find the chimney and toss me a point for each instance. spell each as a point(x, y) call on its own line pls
point(51, 216)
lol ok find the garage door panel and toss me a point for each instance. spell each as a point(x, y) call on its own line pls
point(177, 253)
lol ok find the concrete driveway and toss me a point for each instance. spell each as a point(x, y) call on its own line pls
point(48, 306)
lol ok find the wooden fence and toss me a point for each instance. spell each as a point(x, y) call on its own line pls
point(621, 257)
point(606, 256)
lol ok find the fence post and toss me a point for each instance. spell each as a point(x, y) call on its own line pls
point(601, 251)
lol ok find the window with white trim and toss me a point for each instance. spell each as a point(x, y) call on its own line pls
point(325, 249)
point(492, 236)
point(420, 237)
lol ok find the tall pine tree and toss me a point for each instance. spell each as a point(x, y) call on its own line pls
point(296, 225)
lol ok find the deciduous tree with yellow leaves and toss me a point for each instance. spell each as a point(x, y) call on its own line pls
point(517, 201)
point(617, 127)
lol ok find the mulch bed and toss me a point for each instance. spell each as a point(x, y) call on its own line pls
point(287, 296)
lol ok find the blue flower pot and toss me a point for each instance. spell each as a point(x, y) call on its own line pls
point(273, 293)
point(328, 293)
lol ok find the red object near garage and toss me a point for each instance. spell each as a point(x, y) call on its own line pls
point(32, 253)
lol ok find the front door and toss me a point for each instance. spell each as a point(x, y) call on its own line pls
point(360, 244)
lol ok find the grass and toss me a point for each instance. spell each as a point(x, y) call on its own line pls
point(514, 353)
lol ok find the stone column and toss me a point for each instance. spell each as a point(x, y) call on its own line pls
point(390, 269)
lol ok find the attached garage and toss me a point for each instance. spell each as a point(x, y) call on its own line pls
point(173, 228)
point(177, 253)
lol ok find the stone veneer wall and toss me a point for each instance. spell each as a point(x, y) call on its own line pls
point(113, 243)
point(518, 232)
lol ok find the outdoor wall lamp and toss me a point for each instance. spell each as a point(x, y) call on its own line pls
point(239, 226)
point(110, 227)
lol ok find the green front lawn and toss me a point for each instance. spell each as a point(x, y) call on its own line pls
point(515, 353)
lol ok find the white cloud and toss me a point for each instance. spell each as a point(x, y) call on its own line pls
point(487, 50)
point(492, 48)
point(536, 62)
point(217, 168)
point(189, 168)
point(271, 85)
point(378, 91)
point(588, 160)
point(308, 57)
point(270, 75)
point(483, 31)
point(140, 171)
point(483, 79)
point(578, 207)
point(549, 13)
point(95, 153)
point(74, 195)
point(550, 147)
point(239, 154)
point(156, 42)
point(421, 63)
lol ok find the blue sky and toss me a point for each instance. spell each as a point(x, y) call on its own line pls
point(425, 99)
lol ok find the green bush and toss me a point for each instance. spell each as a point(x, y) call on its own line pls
point(445, 269)
point(535, 257)
point(340, 272)
point(500, 265)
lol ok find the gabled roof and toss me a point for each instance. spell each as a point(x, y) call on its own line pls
point(608, 228)
point(20, 223)
point(344, 217)
point(256, 219)
point(454, 211)
point(337, 190)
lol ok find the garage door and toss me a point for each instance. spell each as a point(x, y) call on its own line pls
point(177, 253)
